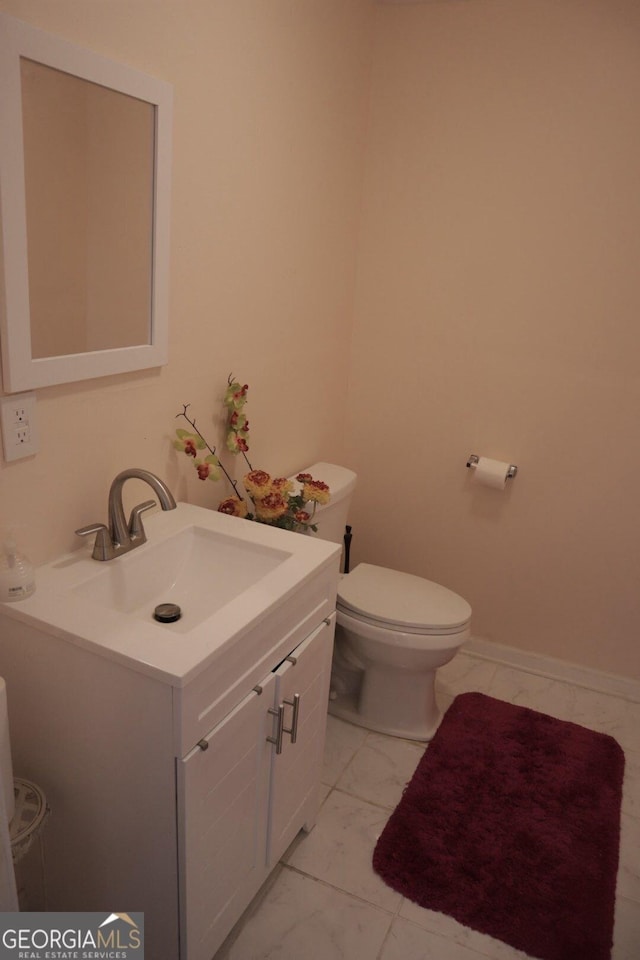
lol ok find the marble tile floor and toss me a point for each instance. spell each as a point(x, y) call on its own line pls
point(324, 902)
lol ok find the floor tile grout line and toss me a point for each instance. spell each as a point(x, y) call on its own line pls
point(371, 803)
point(346, 893)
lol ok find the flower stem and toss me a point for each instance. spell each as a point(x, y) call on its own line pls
point(212, 451)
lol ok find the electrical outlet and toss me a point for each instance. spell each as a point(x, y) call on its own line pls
point(19, 429)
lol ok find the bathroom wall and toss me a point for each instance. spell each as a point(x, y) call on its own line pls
point(496, 301)
point(497, 313)
point(270, 111)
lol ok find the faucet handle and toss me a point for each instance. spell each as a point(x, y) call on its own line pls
point(103, 546)
point(136, 530)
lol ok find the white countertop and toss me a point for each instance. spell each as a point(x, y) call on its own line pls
point(168, 651)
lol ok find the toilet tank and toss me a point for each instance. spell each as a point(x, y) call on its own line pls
point(332, 518)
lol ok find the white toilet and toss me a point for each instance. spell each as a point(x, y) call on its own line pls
point(393, 631)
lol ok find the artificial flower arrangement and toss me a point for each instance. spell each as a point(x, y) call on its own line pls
point(272, 500)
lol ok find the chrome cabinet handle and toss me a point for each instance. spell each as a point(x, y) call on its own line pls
point(279, 713)
point(293, 729)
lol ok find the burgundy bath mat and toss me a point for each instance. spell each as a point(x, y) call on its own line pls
point(511, 824)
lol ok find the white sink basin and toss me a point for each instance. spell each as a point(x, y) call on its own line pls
point(200, 570)
point(231, 578)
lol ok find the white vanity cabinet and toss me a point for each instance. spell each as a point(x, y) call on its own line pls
point(247, 788)
point(169, 792)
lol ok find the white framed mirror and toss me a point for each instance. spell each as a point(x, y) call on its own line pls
point(85, 166)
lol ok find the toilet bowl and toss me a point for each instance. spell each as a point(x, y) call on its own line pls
point(398, 629)
point(394, 630)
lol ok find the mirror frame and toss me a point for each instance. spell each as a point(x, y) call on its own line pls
point(21, 371)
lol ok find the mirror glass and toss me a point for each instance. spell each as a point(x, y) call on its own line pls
point(88, 165)
point(84, 189)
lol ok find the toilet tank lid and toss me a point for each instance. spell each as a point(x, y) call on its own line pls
point(340, 480)
point(401, 599)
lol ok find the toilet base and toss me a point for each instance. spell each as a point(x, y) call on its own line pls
point(385, 681)
point(350, 713)
point(417, 719)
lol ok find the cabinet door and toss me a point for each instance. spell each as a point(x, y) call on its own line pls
point(295, 773)
point(223, 804)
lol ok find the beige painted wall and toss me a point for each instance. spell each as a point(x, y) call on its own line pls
point(496, 302)
point(497, 313)
point(269, 123)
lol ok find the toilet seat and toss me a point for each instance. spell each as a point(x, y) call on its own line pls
point(401, 602)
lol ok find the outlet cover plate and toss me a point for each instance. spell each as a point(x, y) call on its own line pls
point(19, 428)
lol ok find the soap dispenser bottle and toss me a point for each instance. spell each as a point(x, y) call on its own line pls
point(17, 578)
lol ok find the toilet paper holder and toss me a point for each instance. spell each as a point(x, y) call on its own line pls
point(472, 463)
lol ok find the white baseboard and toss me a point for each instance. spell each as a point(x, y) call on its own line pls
point(553, 668)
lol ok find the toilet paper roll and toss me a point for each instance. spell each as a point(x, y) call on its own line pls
point(491, 473)
point(6, 767)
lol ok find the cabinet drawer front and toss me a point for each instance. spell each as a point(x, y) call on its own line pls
point(209, 697)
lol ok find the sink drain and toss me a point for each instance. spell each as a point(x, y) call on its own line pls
point(167, 613)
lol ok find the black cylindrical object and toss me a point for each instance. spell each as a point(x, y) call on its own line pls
point(347, 547)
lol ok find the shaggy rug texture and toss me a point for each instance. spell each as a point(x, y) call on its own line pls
point(511, 824)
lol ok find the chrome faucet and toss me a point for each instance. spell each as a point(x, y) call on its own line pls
point(120, 537)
